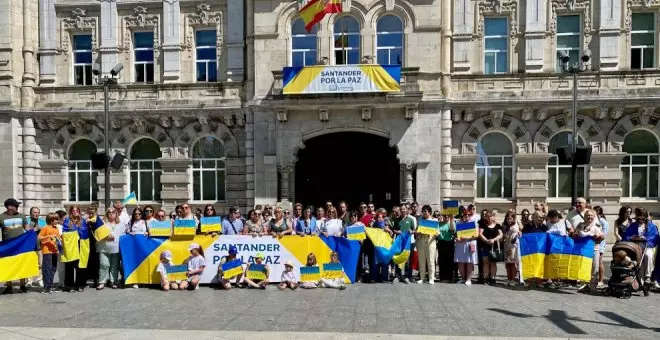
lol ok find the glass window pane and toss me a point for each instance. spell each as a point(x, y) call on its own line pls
point(298, 27)
point(201, 71)
point(495, 178)
point(489, 63)
point(389, 40)
point(310, 58)
point(139, 72)
point(564, 182)
point(643, 21)
point(72, 186)
point(481, 183)
point(568, 41)
point(82, 58)
point(638, 183)
point(221, 184)
point(508, 183)
point(298, 59)
point(389, 23)
point(303, 43)
point(95, 186)
point(502, 62)
point(552, 181)
point(150, 72)
point(144, 39)
point(208, 190)
point(197, 196)
point(497, 44)
point(146, 186)
point(643, 160)
point(494, 144)
point(206, 53)
point(353, 57)
point(144, 55)
point(82, 150)
point(205, 38)
point(88, 74)
point(84, 185)
point(493, 161)
point(346, 24)
point(82, 42)
point(212, 71)
point(84, 165)
point(642, 39)
point(145, 148)
point(157, 186)
point(625, 175)
point(636, 58)
point(581, 179)
point(568, 24)
point(495, 26)
point(653, 181)
point(648, 54)
point(79, 75)
point(134, 184)
point(640, 141)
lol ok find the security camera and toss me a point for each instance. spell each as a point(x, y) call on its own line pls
point(115, 70)
point(96, 69)
point(563, 57)
point(586, 56)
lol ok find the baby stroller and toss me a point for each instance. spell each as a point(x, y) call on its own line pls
point(625, 277)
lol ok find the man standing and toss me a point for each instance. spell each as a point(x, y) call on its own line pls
point(405, 225)
point(232, 225)
point(576, 216)
point(365, 215)
point(13, 225)
point(343, 214)
point(124, 217)
point(33, 224)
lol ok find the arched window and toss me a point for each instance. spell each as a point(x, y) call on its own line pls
point(347, 41)
point(640, 166)
point(559, 174)
point(389, 40)
point(303, 44)
point(208, 155)
point(83, 185)
point(145, 170)
point(495, 166)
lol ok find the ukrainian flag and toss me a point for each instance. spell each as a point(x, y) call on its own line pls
point(130, 199)
point(466, 230)
point(18, 257)
point(569, 259)
point(532, 254)
point(75, 241)
point(310, 274)
point(231, 269)
point(257, 272)
point(386, 249)
point(333, 271)
point(177, 273)
point(401, 248)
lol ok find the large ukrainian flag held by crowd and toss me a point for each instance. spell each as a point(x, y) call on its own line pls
point(319, 79)
point(552, 256)
point(386, 249)
point(18, 257)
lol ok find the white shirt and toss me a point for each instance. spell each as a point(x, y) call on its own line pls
point(124, 217)
point(138, 228)
point(558, 228)
point(332, 227)
point(196, 262)
point(575, 218)
point(111, 247)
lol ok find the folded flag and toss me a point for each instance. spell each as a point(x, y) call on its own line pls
point(310, 274)
point(130, 199)
point(185, 227)
point(315, 10)
point(18, 257)
point(450, 207)
point(177, 273)
point(333, 271)
point(160, 229)
point(71, 247)
point(466, 230)
point(355, 232)
point(102, 232)
point(211, 224)
point(257, 272)
point(231, 269)
point(428, 227)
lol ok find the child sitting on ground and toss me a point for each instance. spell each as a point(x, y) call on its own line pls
point(311, 262)
point(288, 279)
point(259, 284)
point(165, 263)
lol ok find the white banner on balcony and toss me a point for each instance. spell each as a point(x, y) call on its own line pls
point(341, 79)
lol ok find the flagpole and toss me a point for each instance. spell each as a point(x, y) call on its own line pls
point(343, 43)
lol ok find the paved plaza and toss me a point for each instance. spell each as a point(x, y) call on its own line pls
point(377, 309)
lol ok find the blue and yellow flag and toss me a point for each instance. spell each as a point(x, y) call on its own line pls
point(102, 232)
point(386, 249)
point(401, 248)
point(130, 199)
point(257, 272)
point(532, 255)
point(569, 259)
point(71, 247)
point(231, 269)
point(18, 257)
point(310, 274)
point(211, 224)
point(450, 207)
point(185, 227)
point(355, 232)
point(160, 229)
point(333, 271)
point(177, 273)
point(428, 227)
point(466, 230)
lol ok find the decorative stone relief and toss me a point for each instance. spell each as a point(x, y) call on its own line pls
point(323, 115)
point(411, 112)
point(616, 113)
point(508, 125)
point(389, 5)
point(346, 6)
point(498, 7)
point(282, 115)
point(366, 114)
point(573, 6)
point(541, 114)
point(456, 116)
point(78, 22)
point(635, 5)
point(139, 21)
point(203, 17)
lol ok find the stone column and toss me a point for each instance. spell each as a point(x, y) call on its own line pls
point(285, 179)
point(30, 165)
point(9, 166)
point(171, 40)
point(47, 42)
point(407, 168)
point(445, 155)
point(175, 182)
point(249, 158)
point(27, 91)
point(109, 27)
point(445, 56)
point(235, 40)
point(531, 179)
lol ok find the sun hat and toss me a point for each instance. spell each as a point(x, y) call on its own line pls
point(166, 255)
point(289, 264)
point(260, 256)
point(193, 246)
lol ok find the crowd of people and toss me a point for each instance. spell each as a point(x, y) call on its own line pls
point(443, 257)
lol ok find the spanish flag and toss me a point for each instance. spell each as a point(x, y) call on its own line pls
point(315, 10)
point(18, 257)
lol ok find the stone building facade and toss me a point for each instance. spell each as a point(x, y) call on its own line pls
point(199, 110)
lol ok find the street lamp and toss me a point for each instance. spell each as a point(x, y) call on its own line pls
point(577, 67)
point(106, 82)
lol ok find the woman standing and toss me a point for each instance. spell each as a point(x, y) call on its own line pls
point(108, 250)
point(622, 222)
point(445, 240)
point(332, 226)
point(254, 225)
point(465, 253)
point(75, 278)
point(589, 228)
point(490, 236)
point(604, 228)
point(280, 226)
point(136, 225)
point(94, 221)
point(511, 231)
point(306, 224)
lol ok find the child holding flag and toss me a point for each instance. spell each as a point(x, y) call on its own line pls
point(259, 284)
point(163, 266)
point(49, 236)
point(333, 283)
point(226, 282)
point(311, 262)
point(196, 265)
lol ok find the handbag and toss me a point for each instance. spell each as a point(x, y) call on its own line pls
point(496, 254)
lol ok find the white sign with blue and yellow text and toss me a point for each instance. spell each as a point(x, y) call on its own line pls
point(341, 79)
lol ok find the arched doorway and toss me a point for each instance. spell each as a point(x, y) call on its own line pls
point(350, 166)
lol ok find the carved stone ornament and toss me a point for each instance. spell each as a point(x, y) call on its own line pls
point(323, 115)
point(78, 22)
point(346, 6)
point(603, 112)
point(366, 114)
point(139, 21)
point(541, 114)
point(203, 17)
point(282, 115)
point(526, 115)
point(407, 165)
point(389, 5)
point(498, 7)
point(411, 112)
point(633, 5)
point(573, 6)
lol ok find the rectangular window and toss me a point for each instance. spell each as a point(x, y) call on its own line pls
point(495, 177)
point(303, 50)
point(143, 51)
point(642, 41)
point(82, 181)
point(559, 179)
point(206, 59)
point(640, 176)
point(82, 59)
point(496, 41)
point(145, 180)
point(208, 179)
point(568, 39)
point(347, 48)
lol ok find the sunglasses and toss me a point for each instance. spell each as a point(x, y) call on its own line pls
point(209, 209)
point(148, 211)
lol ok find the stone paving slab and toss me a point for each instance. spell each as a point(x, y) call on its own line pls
point(443, 309)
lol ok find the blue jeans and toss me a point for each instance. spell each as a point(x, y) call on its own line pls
point(48, 268)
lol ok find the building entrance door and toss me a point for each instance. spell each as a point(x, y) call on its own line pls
point(347, 166)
